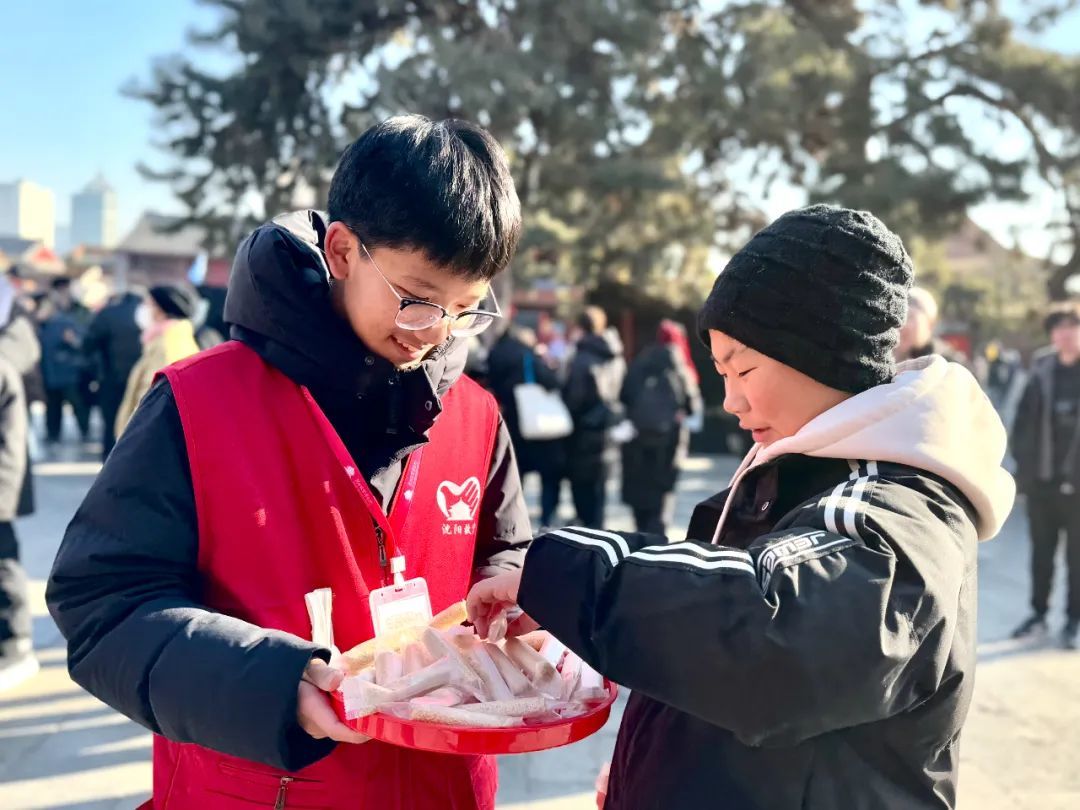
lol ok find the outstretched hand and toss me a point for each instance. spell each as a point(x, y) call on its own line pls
point(490, 597)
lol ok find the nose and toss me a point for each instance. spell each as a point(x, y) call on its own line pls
point(734, 402)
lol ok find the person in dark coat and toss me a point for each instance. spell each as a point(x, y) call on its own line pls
point(63, 327)
point(113, 344)
point(510, 363)
point(1046, 446)
point(19, 346)
point(812, 643)
point(660, 392)
point(593, 383)
point(17, 662)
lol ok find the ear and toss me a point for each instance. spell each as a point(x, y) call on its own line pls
point(338, 243)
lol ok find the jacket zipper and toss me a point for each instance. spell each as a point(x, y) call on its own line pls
point(282, 790)
point(384, 562)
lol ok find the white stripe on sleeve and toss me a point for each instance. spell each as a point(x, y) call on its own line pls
point(593, 542)
point(615, 538)
point(694, 548)
point(694, 562)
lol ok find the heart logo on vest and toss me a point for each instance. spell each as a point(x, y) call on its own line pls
point(459, 502)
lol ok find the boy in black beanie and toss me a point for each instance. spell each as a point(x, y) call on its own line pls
point(811, 644)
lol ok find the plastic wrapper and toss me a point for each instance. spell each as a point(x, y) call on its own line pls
point(363, 654)
point(443, 674)
point(518, 707)
point(449, 716)
point(423, 680)
point(476, 655)
point(590, 686)
point(497, 627)
point(541, 673)
point(361, 697)
point(553, 651)
point(514, 677)
point(389, 667)
point(446, 696)
point(440, 647)
point(416, 657)
point(571, 674)
point(320, 612)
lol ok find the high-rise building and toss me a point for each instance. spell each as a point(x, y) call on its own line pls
point(93, 215)
point(28, 211)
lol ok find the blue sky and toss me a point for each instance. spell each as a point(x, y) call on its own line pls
point(61, 69)
point(64, 61)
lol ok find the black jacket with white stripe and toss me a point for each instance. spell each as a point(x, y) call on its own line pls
point(821, 656)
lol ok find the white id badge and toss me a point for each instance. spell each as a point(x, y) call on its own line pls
point(401, 605)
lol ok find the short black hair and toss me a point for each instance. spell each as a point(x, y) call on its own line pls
point(442, 187)
point(1061, 312)
point(593, 321)
point(61, 283)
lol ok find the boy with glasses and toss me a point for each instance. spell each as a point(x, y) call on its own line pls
point(333, 442)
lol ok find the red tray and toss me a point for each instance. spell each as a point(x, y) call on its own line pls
point(457, 740)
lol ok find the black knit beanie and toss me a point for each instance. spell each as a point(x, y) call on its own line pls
point(175, 301)
point(821, 289)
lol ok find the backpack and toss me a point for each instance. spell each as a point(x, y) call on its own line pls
point(655, 406)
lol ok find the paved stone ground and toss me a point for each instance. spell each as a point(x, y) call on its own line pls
point(61, 749)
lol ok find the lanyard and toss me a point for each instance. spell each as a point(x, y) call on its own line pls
point(391, 561)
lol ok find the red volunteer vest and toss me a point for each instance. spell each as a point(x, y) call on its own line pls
point(278, 517)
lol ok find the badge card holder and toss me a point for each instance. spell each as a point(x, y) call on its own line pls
point(403, 604)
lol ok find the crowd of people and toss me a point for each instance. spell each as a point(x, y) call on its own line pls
point(57, 351)
point(810, 644)
point(638, 413)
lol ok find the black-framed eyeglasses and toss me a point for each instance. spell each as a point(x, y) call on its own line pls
point(416, 314)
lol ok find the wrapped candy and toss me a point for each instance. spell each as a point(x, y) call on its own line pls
point(518, 707)
point(476, 655)
point(497, 627)
point(571, 674)
point(389, 667)
point(514, 677)
point(591, 685)
point(362, 697)
point(541, 673)
point(446, 696)
point(553, 651)
point(424, 680)
point(451, 716)
point(440, 647)
point(416, 657)
point(363, 654)
point(320, 611)
point(444, 673)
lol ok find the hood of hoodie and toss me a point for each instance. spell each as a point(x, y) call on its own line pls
point(279, 302)
point(605, 347)
point(933, 416)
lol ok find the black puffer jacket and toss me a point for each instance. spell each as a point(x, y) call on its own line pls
point(125, 588)
point(1033, 436)
point(591, 393)
point(821, 655)
point(113, 342)
point(659, 393)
